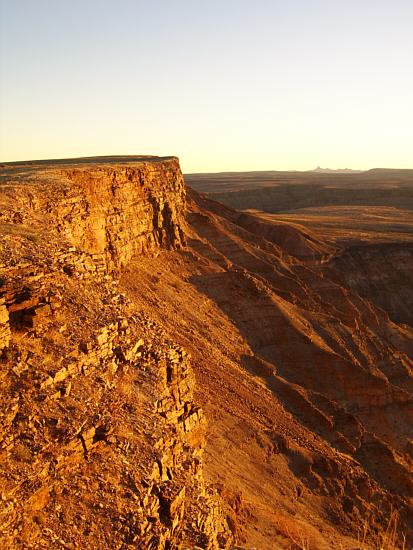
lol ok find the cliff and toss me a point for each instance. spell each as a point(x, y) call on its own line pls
point(110, 213)
point(306, 383)
point(100, 430)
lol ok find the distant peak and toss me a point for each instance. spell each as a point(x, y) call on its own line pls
point(334, 171)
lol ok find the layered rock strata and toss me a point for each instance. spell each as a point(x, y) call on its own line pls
point(110, 212)
point(99, 427)
point(122, 211)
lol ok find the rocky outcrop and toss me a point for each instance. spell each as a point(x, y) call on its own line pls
point(61, 423)
point(109, 212)
point(100, 430)
point(4, 326)
point(122, 211)
point(168, 501)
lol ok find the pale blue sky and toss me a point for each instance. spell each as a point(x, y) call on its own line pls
point(225, 85)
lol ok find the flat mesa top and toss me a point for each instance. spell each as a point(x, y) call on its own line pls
point(114, 159)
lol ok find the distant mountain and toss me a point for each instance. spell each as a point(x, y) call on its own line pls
point(338, 171)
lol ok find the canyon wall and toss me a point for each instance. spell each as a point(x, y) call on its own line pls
point(274, 191)
point(122, 211)
point(101, 443)
point(382, 273)
point(109, 212)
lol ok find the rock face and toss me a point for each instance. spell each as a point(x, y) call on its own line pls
point(99, 426)
point(119, 212)
point(383, 273)
point(109, 213)
point(4, 326)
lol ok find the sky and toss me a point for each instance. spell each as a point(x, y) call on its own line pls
point(225, 85)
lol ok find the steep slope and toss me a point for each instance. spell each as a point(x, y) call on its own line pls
point(109, 276)
point(381, 272)
point(308, 384)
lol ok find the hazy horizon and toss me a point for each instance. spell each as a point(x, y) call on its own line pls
point(264, 170)
point(225, 86)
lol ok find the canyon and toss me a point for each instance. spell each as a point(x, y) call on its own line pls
point(176, 373)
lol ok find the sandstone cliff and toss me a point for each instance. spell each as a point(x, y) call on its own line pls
point(99, 427)
point(109, 213)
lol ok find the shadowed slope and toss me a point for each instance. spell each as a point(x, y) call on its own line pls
point(307, 385)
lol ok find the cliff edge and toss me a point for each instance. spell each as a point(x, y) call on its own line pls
point(101, 442)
